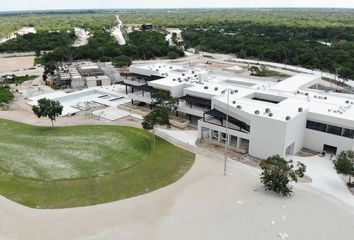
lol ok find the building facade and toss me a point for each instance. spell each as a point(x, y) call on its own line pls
point(264, 118)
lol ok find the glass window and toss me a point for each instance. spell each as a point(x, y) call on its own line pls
point(334, 130)
point(316, 126)
point(349, 133)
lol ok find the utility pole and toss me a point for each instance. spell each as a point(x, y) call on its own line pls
point(226, 131)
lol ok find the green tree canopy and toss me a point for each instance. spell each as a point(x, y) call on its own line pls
point(122, 61)
point(344, 164)
point(278, 173)
point(48, 108)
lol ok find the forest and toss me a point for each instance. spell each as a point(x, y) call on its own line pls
point(329, 49)
point(41, 41)
point(103, 47)
point(55, 21)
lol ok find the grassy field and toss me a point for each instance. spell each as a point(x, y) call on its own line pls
point(104, 163)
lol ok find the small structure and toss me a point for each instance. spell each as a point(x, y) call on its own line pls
point(80, 75)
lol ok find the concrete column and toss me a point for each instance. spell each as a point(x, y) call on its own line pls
point(238, 142)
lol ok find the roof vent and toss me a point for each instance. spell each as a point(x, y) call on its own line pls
point(287, 118)
point(216, 88)
point(267, 110)
point(300, 109)
point(270, 114)
point(347, 101)
point(325, 98)
point(236, 91)
point(233, 102)
point(239, 106)
point(174, 79)
point(256, 112)
point(206, 87)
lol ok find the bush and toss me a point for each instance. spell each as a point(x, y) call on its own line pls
point(5, 95)
point(172, 55)
point(278, 173)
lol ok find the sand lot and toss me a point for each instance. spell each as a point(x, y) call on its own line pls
point(15, 63)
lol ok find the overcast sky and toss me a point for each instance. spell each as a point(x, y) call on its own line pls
point(10, 5)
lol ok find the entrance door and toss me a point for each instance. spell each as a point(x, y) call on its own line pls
point(330, 149)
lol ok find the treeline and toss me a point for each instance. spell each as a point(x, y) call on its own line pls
point(103, 47)
point(41, 41)
point(329, 49)
point(206, 17)
point(55, 22)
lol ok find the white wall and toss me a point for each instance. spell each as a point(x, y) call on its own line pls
point(267, 137)
point(315, 140)
point(295, 131)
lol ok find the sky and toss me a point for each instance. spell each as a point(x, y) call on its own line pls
point(14, 5)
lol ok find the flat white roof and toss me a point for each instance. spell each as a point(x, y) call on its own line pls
point(296, 82)
point(294, 92)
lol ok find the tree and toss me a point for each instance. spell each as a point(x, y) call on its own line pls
point(159, 116)
point(344, 164)
point(163, 99)
point(278, 173)
point(48, 108)
point(122, 61)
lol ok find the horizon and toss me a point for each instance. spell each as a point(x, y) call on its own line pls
point(54, 5)
point(175, 8)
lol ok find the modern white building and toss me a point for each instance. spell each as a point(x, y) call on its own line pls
point(265, 118)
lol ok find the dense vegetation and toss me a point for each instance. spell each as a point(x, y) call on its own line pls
point(206, 17)
point(330, 48)
point(104, 164)
point(13, 79)
point(5, 95)
point(44, 41)
point(103, 47)
point(55, 22)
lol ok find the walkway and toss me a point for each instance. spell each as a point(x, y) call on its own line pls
point(325, 178)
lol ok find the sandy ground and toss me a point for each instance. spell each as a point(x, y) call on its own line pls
point(117, 33)
point(16, 63)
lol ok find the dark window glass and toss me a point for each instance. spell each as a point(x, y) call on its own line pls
point(349, 133)
point(316, 126)
point(334, 130)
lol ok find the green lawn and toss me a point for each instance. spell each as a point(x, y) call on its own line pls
point(104, 163)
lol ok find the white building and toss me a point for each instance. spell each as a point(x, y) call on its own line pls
point(265, 118)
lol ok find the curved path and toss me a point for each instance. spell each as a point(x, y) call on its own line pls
point(202, 205)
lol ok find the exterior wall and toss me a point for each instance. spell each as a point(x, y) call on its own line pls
point(139, 97)
point(220, 129)
point(77, 83)
point(195, 111)
point(315, 140)
point(106, 82)
point(295, 132)
point(267, 137)
point(91, 83)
